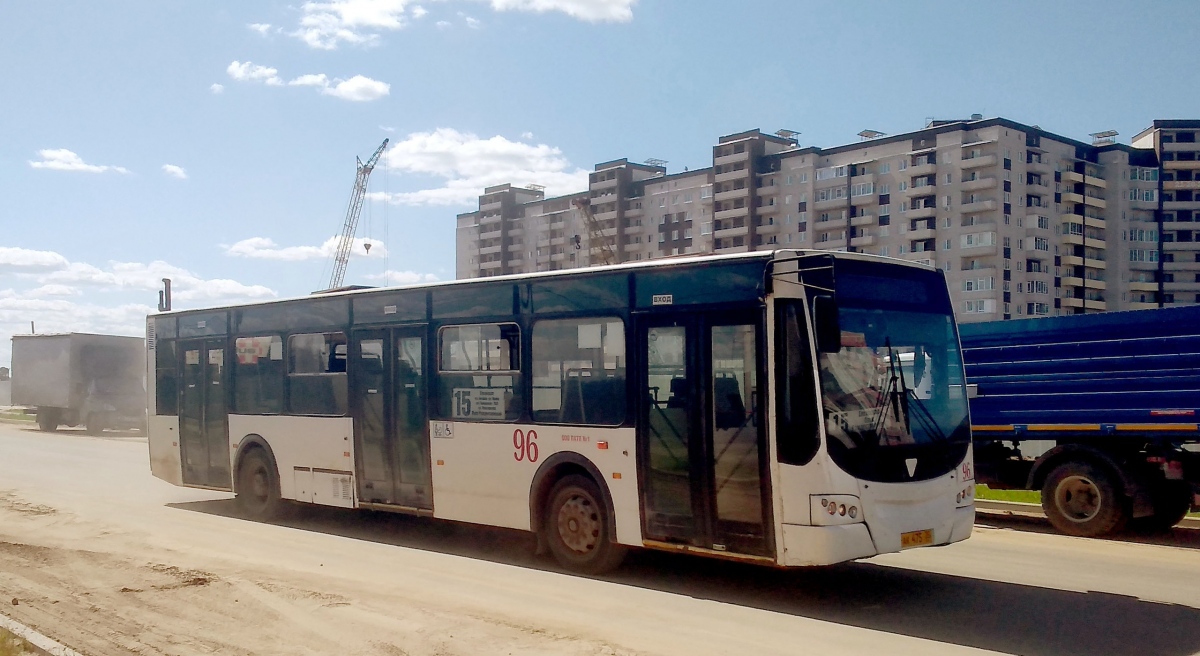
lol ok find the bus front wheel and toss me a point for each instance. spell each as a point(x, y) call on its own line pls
point(576, 527)
point(258, 487)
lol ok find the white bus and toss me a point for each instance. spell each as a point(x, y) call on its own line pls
point(761, 407)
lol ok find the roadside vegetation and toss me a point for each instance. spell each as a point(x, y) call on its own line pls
point(11, 645)
point(16, 414)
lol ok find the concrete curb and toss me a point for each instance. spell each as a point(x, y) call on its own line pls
point(1019, 509)
point(41, 643)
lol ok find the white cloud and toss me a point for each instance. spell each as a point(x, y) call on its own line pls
point(261, 28)
point(217, 88)
point(468, 163)
point(175, 171)
point(265, 248)
point(61, 159)
point(311, 80)
point(249, 72)
point(358, 89)
point(57, 302)
point(325, 25)
point(331, 23)
point(387, 129)
point(472, 23)
point(391, 277)
point(443, 25)
point(526, 135)
point(595, 11)
point(24, 259)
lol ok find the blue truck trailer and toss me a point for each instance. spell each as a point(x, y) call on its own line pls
point(1098, 412)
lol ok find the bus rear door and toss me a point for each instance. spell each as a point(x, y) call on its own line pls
point(203, 414)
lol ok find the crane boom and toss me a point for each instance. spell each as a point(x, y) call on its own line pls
point(342, 256)
point(596, 238)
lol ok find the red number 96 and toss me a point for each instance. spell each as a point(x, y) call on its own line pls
point(525, 446)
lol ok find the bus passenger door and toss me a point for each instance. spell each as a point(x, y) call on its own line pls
point(203, 418)
point(701, 432)
point(390, 431)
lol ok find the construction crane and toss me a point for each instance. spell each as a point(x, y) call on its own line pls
point(596, 238)
point(342, 256)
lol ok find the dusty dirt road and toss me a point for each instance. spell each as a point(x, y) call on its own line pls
point(108, 560)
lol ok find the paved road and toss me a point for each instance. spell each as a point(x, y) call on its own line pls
point(107, 559)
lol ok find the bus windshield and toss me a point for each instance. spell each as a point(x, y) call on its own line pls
point(893, 396)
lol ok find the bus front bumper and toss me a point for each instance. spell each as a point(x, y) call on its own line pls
point(827, 545)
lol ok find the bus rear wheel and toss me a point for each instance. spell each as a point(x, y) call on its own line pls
point(576, 527)
point(258, 487)
point(1084, 500)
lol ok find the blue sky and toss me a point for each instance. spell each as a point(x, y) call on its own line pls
point(215, 142)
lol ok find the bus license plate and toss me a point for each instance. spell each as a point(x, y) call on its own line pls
point(916, 539)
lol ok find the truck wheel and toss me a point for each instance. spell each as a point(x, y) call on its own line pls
point(1172, 500)
point(95, 423)
point(1084, 500)
point(47, 419)
point(576, 527)
point(258, 487)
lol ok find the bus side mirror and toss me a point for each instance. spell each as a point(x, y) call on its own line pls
point(825, 324)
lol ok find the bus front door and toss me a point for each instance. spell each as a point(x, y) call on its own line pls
point(702, 434)
point(203, 414)
point(391, 439)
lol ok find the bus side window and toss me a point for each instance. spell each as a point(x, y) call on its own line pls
point(579, 371)
point(799, 427)
point(479, 372)
point(317, 374)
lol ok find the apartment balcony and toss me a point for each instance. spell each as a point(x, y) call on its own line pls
point(831, 245)
point(976, 162)
point(862, 242)
point(1181, 166)
point(1074, 240)
point(1094, 222)
point(1167, 266)
point(768, 190)
point(978, 251)
point(515, 262)
point(1072, 281)
point(1095, 202)
point(831, 203)
point(486, 266)
point(1092, 283)
point(1072, 302)
point(1072, 197)
point(1095, 305)
point(1072, 260)
point(490, 219)
point(557, 257)
point(731, 232)
point(921, 234)
point(516, 232)
point(921, 169)
point(1071, 176)
point(1143, 306)
point(1171, 185)
point(731, 175)
point(867, 199)
point(605, 184)
point(1143, 286)
point(989, 270)
point(558, 241)
point(1095, 182)
point(981, 183)
point(731, 195)
point(916, 256)
point(921, 212)
point(732, 159)
point(488, 207)
point(1092, 242)
point(1181, 246)
point(1181, 205)
point(824, 226)
point(1182, 286)
point(977, 206)
point(1180, 146)
point(1039, 167)
point(490, 250)
point(862, 220)
point(1092, 264)
point(730, 214)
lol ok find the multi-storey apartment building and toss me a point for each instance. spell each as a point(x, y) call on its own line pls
point(1024, 222)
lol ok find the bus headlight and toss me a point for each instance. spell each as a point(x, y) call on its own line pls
point(835, 509)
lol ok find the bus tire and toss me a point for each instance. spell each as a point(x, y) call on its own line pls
point(576, 527)
point(1084, 500)
point(47, 420)
point(258, 487)
point(1172, 501)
